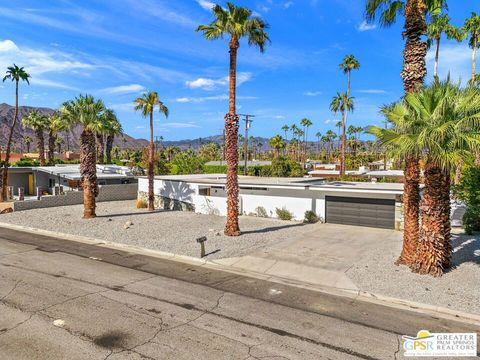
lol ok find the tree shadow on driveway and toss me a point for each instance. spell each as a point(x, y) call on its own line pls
point(466, 249)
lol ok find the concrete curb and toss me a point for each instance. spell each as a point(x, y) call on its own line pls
point(432, 310)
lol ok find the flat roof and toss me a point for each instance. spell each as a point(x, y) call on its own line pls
point(72, 171)
point(311, 183)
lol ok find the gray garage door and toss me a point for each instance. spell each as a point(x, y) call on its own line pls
point(379, 213)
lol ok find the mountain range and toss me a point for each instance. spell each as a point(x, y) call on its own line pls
point(71, 137)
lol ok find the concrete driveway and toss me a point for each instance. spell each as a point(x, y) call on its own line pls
point(320, 255)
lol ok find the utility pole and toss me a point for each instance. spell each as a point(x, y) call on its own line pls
point(385, 152)
point(248, 123)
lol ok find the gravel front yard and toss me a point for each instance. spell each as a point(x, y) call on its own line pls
point(457, 289)
point(172, 231)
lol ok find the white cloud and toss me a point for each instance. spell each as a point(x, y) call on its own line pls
point(8, 45)
point(279, 117)
point(372, 91)
point(312, 93)
point(211, 84)
point(454, 59)
point(364, 26)
point(287, 4)
point(124, 89)
point(205, 4)
point(211, 98)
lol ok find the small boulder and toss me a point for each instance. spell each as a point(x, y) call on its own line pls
point(128, 223)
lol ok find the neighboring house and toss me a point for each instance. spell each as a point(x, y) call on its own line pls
point(43, 179)
point(241, 163)
point(363, 204)
point(365, 172)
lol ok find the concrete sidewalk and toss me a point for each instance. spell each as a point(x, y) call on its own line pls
point(321, 255)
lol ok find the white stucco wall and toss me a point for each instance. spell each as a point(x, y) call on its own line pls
point(295, 200)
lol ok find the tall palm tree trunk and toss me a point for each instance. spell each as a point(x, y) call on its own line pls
point(88, 171)
point(343, 146)
point(411, 199)
point(474, 59)
point(231, 129)
point(108, 149)
point(100, 148)
point(437, 50)
point(151, 173)
point(4, 175)
point(41, 146)
point(51, 147)
point(434, 248)
point(413, 75)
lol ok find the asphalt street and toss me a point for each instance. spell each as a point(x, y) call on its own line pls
point(61, 299)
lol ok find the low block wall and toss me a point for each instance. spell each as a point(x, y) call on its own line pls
point(107, 193)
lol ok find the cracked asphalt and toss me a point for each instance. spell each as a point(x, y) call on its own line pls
point(66, 300)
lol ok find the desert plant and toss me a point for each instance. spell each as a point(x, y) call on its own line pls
point(141, 204)
point(311, 217)
point(261, 212)
point(284, 214)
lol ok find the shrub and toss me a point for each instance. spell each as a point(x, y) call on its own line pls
point(283, 167)
point(284, 214)
point(469, 191)
point(311, 217)
point(141, 204)
point(261, 212)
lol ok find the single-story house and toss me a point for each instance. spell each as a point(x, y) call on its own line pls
point(250, 163)
point(353, 203)
point(43, 179)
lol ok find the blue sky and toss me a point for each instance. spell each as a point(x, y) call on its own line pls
point(115, 50)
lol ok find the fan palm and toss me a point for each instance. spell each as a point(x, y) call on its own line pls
point(38, 123)
point(344, 104)
point(235, 23)
point(439, 25)
point(441, 123)
point(56, 124)
point(86, 111)
point(306, 123)
point(27, 140)
point(15, 74)
point(285, 129)
point(146, 105)
point(318, 135)
point(471, 28)
point(413, 74)
point(277, 143)
point(113, 129)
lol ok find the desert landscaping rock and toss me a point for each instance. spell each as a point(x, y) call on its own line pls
point(170, 231)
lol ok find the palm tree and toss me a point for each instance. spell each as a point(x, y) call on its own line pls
point(344, 104)
point(277, 143)
point(38, 123)
point(318, 135)
point(472, 28)
point(306, 123)
point(27, 140)
point(56, 124)
point(348, 64)
point(285, 129)
point(441, 122)
point(59, 142)
point(113, 129)
point(16, 74)
point(147, 104)
point(236, 23)
point(86, 111)
point(413, 75)
point(330, 138)
point(439, 25)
